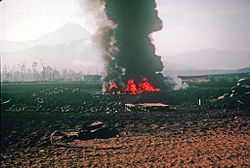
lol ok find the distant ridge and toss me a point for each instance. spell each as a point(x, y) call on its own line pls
point(180, 70)
point(244, 70)
point(71, 47)
point(210, 59)
point(63, 35)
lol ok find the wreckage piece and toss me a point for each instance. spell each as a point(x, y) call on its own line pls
point(60, 138)
point(147, 107)
point(96, 130)
point(93, 130)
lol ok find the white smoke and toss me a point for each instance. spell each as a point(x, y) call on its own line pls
point(177, 83)
point(102, 28)
point(95, 15)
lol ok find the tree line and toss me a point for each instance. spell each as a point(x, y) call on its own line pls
point(38, 72)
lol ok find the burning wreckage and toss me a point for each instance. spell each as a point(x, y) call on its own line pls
point(131, 87)
point(132, 67)
point(131, 64)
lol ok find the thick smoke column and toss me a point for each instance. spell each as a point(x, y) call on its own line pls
point(134, 56)
point(123, 33)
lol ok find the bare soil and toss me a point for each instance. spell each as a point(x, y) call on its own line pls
point(214, 138)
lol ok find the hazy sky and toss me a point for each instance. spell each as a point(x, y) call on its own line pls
point(202, 24)
point(23, 20)
point(188, 24)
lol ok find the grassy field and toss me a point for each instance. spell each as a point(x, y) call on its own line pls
point(30, 112)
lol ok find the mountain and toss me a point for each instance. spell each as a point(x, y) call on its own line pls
point(63, 35)
point(172, 69)
point(210, 59)
point(77, 55)
point(244, 70)
point(68, 47)
point(68, 33)
point(71, 47)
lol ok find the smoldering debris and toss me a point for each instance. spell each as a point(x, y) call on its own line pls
point(177, 83)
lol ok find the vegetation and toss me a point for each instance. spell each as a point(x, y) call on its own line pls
point(38, 72)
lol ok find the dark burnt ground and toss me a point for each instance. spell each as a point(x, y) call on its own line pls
point(35, 111)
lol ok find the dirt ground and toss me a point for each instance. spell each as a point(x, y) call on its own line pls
point(223, 142)
point(213, 150)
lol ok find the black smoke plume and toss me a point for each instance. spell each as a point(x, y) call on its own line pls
point(124, 28)
point(131, 54)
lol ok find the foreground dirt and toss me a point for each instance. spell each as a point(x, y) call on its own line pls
point(185, 137)
point(214, 148)
point(160, 150)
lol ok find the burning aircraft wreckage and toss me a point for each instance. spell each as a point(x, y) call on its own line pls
point(132, 70)
point(131, 64)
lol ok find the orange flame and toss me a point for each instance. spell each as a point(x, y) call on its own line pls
point(109, 87)
point(131, 87)
point(147, 87)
